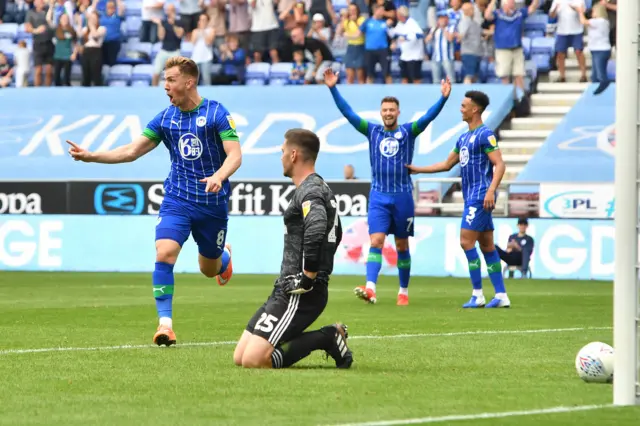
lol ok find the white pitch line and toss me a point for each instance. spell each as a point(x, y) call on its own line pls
point(363, 337)
point(461, 417)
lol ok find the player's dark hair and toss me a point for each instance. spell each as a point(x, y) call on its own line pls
point(306, 141)
point(391, 99)
point(479, 98)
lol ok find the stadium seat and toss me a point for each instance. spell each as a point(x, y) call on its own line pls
point(155, 48)
point(9, 31)
point(536, 22)
point(120, 73)
point(23, 34)
point(257, 73)
point(142, 72)
point(279, 73)
point(457, 66)
point(611, 70)
point(186, 49)
point(144, 48)
point(395, 70)
point(133, 26)
point(134, 8)
point(426, 72)
point(482, 72)
point(491, 71)
point(526, 47)
point(8, 51)
point(118, 83)
point(140, 83)
point(542, 61)
point(76, 72)
point(543, 45)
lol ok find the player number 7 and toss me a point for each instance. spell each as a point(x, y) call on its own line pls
point(409, 224)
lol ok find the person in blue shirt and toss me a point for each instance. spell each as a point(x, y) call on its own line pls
point(111, 19)
point(201, 138)
point(376, 44)
point(391, 204)
point(478, 153)
point(519, 249)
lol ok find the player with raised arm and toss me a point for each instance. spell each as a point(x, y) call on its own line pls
point(275, 337)
point(205, 151)
point(391, 205)
point(482, 169)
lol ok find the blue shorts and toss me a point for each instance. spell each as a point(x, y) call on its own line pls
point(564, 42)
point(208, 224)
point(391, 214)
point(476, 218)
point(470, 65)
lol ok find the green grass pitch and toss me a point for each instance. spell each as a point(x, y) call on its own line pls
point(436, 359)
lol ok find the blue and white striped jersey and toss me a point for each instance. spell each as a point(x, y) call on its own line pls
point(194, 140)
point(476, 168)
point(443, 49)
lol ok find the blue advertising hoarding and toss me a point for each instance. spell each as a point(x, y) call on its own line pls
point(568, 249)
point(34, 125)
point(581, 148)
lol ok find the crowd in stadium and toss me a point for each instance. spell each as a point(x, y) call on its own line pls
point(118, 42)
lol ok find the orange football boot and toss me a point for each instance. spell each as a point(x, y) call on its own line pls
point(164, 336)
point(403, 300)
point(366, 294)
point(224, 277)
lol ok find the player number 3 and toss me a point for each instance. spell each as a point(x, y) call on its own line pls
point(265, 323)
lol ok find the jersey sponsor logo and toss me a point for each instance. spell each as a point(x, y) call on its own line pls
point(232, 123)
point(190, 147)
point(119, 199)
point(389, 147)
point(201, 121)
point(464, 156)
point(306, 207)
point(493, 141)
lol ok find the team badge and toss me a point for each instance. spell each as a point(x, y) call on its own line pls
point(232, 123)
point(306, 206)
point(493, 141)
point(398, 135)
point(472, 139)
point(201, 121)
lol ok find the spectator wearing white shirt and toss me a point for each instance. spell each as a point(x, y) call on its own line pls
point(442, 57)
point(318, 29)
point(151, 10)
point(409, 35)
point(471, 44)
point(569, 33)
point(202, 39)
point(265, 29)
point(599, 44)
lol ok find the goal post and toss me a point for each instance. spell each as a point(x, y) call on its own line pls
point(626, 308)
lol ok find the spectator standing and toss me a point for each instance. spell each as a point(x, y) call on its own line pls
point(60, 7)
point(65, 50)
point(317, 54)
point(409, 37)
point(152, 11)
point(323, 7)
point(22, 62)
point(442, 56)
point(354, 57)
point(240, 22)
point(471, 44)
point(569, 33)
point(507, 37)
point(612, 12)
point(599, 44)
point(36, 24)
point(190, 11)
point(318, 29)
point(265, 31)
point(202, 39)
point(112, 19)
point(233, 58)
point(93, 36)
point(6, 71)
point(170, 33)
point(293, 14)
point(376, 44)
point(217, 16)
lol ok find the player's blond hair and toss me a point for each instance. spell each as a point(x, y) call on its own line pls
point(185, 65)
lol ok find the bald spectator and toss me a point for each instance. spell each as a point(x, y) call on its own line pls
point(349, 172)
point(409, 37)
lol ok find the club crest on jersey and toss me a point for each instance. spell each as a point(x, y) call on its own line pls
point(389, 147)
point(190, 147)
point(464, 156)
point(398, 135)
point(201, 121)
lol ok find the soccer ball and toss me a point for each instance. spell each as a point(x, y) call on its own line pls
point(594, 363)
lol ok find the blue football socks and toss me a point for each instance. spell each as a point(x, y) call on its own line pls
point(163, 288)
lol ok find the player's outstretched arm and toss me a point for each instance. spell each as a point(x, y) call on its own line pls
point(421, 124)
point(123, 154)
point(443, 166)
point(331, 79)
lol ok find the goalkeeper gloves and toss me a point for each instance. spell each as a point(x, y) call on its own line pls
point(298, 284)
